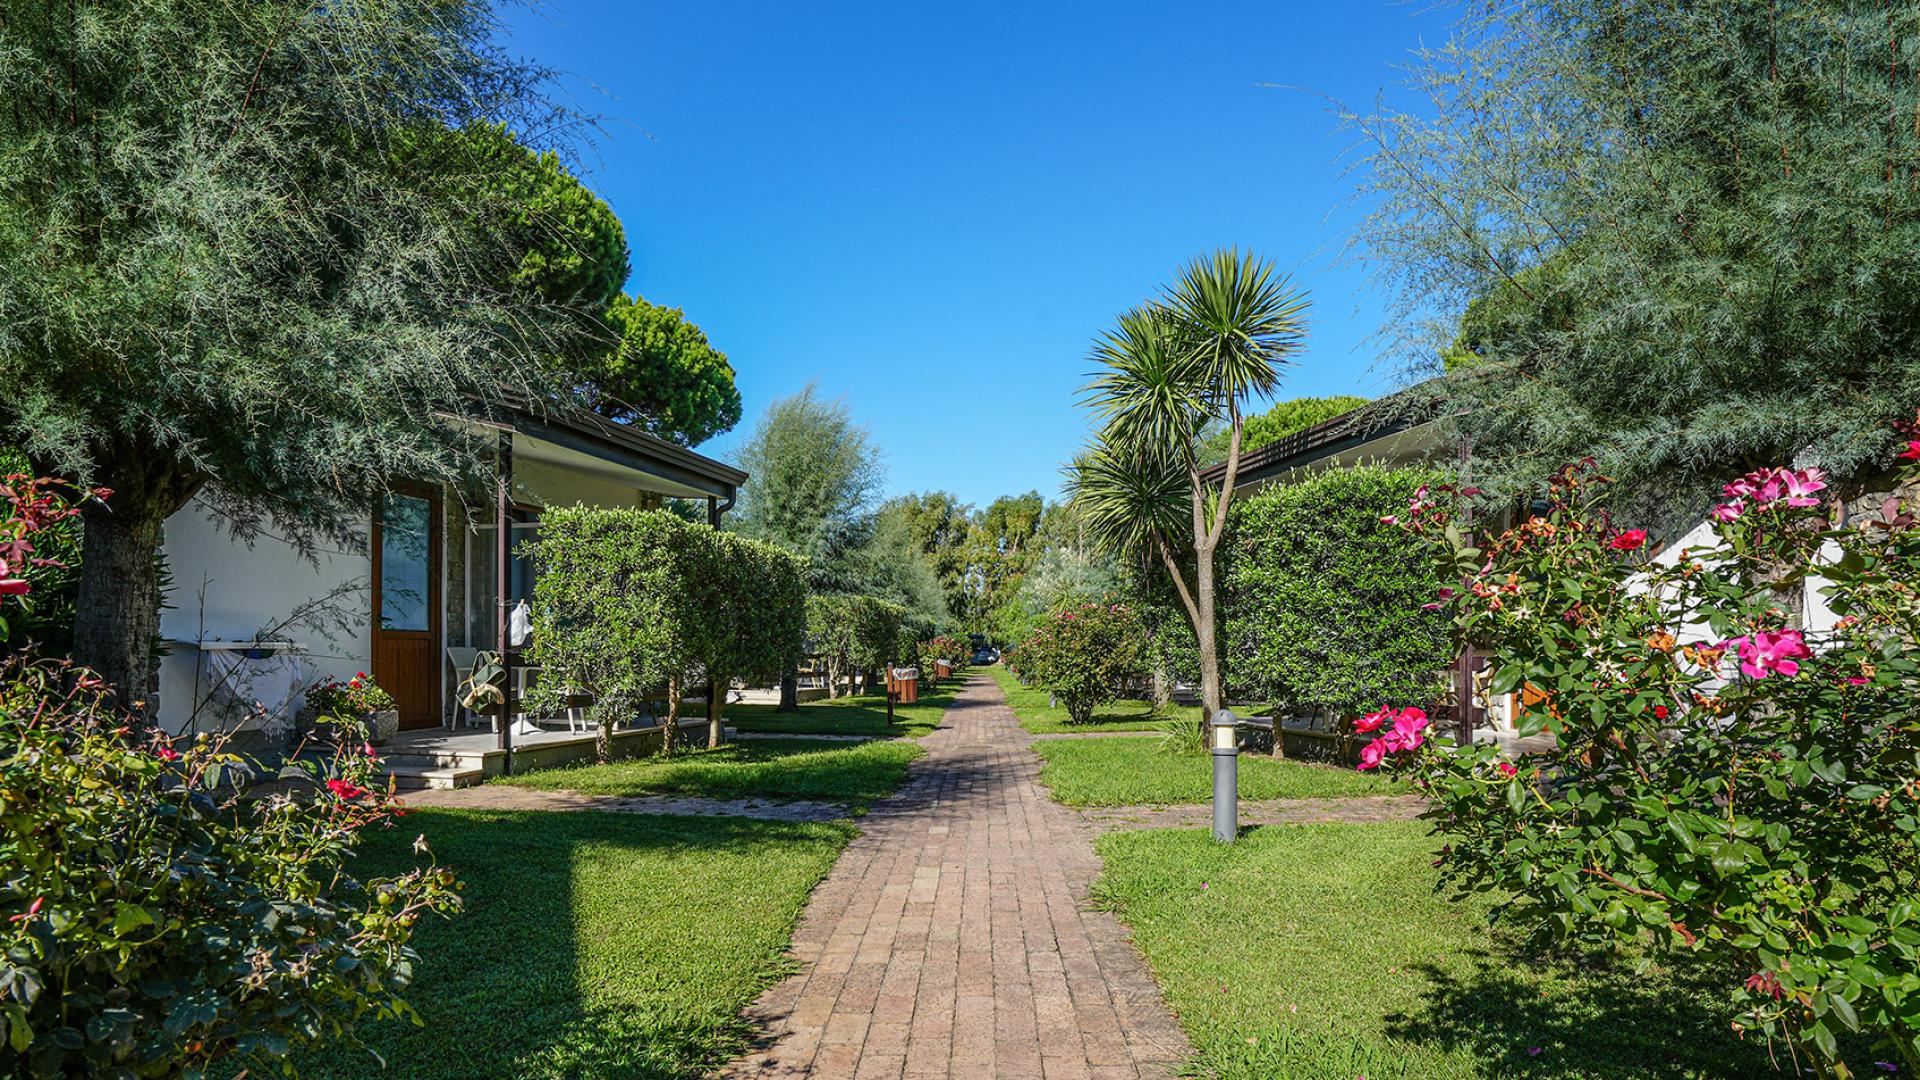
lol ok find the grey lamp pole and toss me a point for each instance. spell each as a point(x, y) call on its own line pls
point(1224, 728)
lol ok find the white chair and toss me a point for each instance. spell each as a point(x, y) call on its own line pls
point(462, 661)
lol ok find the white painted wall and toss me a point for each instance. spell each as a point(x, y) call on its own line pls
point(228, 589)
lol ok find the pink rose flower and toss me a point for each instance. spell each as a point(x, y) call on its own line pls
point(1912, 452)
point(1372, 754)
point(1770, 652)
point(1371, 721)
point(345, 790)
point(1728, 512)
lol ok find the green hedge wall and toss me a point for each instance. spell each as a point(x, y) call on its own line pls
point(854, 633)
point(1323, 602)
point(633, 604)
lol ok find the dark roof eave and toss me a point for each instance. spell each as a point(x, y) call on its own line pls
point(1323, 440)
point(587, 432)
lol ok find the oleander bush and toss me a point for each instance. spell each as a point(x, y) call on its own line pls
point(1730, 784)
point(155, 919)
point(1084, 655)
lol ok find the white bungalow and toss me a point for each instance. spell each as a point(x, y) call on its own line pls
point(251, 624)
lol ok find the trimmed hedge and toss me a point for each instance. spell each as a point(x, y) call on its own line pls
point(854, 633)
point(1323, 601)
point(631, 605)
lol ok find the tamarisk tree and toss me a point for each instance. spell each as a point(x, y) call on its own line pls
point(243, 256)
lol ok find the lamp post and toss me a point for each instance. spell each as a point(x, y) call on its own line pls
point(1224, 728)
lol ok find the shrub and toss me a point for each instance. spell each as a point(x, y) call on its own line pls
point(1732, 786)
point(1323, 599)
point(931, 652)
point(356, 697)
point(634, 604)
point(154, 920)
point(1084, 655)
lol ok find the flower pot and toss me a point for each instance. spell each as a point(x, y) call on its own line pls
point(382, 726)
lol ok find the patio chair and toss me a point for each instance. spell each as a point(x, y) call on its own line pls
point(462, 662)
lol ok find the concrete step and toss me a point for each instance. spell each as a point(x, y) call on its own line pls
point(413, 776)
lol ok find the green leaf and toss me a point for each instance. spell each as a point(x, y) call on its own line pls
point(130, 917)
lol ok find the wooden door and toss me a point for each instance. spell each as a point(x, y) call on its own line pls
point(406, 603)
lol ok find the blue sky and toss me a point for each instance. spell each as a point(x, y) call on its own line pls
point(929, 210)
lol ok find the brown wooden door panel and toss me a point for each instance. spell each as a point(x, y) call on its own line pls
point(406, 603)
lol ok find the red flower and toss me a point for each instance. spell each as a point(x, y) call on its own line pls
point(345, 790)
point(166, 753)
point(14, 586)
point(1631, 540)
point(1506, 768)
point(1912, 452)
point(1660, 711)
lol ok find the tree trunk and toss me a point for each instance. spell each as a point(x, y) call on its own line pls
point(790, 692)
point(672, 729)
point(117, 606)
point(716, 701)
point(1162, 686)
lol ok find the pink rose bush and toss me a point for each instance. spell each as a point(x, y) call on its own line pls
point(160, 915)
point(1405, 729)
point(1729, 782)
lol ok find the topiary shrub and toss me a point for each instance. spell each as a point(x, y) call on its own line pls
point(630, 605)
point(1323, 599)
point(1084, 655)
point(855, 634)
point(155, 920)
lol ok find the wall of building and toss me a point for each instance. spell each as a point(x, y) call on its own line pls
point(235, 590)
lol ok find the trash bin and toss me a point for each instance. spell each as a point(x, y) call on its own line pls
point(943, 668)
point(904, 683)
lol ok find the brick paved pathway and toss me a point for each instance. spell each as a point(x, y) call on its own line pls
point(952, 938)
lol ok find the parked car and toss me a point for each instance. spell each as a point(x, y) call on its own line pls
point(986, 654)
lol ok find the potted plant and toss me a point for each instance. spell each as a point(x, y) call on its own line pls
point(359, 699)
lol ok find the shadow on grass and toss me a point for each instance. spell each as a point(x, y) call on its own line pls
point(592, 945)
point(851, 773)
point(1581, 1014)
point(861, 715)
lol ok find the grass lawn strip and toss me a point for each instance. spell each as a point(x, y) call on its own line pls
point(1321, 951)
point(1029, 704)
point(1133, 772)
point(593, 945)
point(865, 714)
point(854, 774)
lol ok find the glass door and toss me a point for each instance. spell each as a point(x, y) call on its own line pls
point(406, 604)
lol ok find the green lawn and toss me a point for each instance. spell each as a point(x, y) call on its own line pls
point(1030, 705)
point(1133, 772)
point(851, 773)
point(862, 715)
point(592, 945)
point(1319, 952)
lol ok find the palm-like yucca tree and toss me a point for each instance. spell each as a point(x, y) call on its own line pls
point(1215, 338)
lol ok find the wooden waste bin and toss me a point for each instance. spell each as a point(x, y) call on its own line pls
point(904, 684)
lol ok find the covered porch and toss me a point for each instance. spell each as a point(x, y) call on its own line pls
point(447, 577)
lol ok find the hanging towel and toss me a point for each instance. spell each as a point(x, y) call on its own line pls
point(519, 624)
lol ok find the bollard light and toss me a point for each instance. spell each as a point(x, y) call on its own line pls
point(1225, 728)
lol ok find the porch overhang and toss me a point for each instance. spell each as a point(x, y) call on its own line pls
point(581, 441)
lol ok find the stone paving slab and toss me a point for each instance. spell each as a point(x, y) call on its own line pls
point(507, 797)
point(953, 937)
point(1359, 809)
